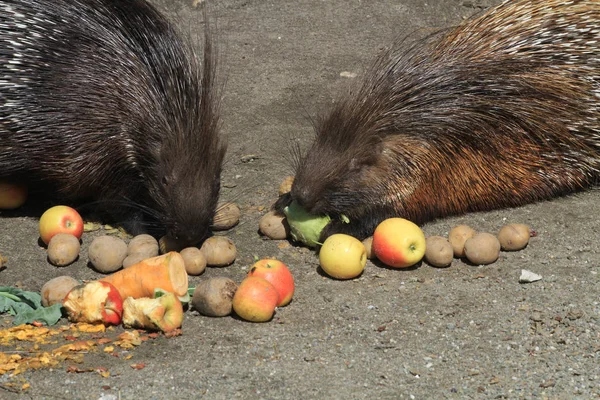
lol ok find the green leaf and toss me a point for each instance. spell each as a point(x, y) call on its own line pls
point(27, 306)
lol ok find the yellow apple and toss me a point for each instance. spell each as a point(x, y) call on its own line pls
point(398, 243)
point(60, 219)
point(12, 196)
point(343, 256)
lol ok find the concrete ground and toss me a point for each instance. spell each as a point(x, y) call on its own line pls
point(423, 333)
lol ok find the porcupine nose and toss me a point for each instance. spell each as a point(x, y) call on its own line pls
point(304, 198)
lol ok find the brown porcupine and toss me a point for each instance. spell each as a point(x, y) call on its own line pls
point(104, 100)
point(500, 111)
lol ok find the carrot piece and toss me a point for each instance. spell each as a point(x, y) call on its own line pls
point(166, 272)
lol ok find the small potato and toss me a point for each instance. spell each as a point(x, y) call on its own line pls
point(167, 244)
point(194, 259)
point(226, 217)
point(274, 226)
point(214, 297)
point(144, 245)
point(133, 259)
point(438, 251)
point(286, 185)
point(63, 249)
point(107, 253)
point(55, 290)
point(368, 243)
point(457, 238)
point(482, 249)
point(513, 237)
point(219, 251)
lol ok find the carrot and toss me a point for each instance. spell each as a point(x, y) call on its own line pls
point(166, 272)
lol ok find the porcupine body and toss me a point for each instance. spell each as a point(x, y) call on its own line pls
point(500, 111)
point(103, 100)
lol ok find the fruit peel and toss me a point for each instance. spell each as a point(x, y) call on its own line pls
point(164, 313)
point(304, 227)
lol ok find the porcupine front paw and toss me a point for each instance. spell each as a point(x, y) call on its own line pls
point(359, 229)
point(282, 202)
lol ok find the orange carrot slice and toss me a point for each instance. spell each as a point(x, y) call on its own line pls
point(166, 272)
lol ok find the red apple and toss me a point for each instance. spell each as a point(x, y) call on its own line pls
point(12, 196)
point(398, 242)
point(164, 313)
point(279, 275)
point(60, 219)
point(94, 302)
point(255, 299)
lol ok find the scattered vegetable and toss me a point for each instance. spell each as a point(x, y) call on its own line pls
point(194, 259)
point(286, 185)
point(457, 238)
point(63, 249)
point(482, 249)
point(27, 307)
point(12, 196)
point(144, 245)
point(107, 253)
point(219, 251)
point(304, 227)
point(166, 272)
point(368, 243)
point(513, 237)
point(55, 290)
point(226, 217)
point(213, 297)
point(274, 226)
point(438, 251)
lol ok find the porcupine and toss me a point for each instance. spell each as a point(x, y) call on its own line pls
point(500, 111)
point(103, 100)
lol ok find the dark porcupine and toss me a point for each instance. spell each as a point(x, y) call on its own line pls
point(103, 100)
point(500, 111)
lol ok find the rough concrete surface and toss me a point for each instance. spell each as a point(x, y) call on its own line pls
point(422, 333)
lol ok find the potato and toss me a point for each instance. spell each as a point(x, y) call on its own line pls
point(213, 297)
point(144, 245)
point(134, 259)
point(274, 226)
point(513, 237)
point(438, 251)
point(457, 238)
point(55, 290)
point(219, 251)
point(63, 249)
point(483, 248)
point(167, 244)
point(368, 243)
point(226, 217)
point(286, 185)
point(107, 253)
point(194, 259)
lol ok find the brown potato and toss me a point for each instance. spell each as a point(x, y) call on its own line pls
point(219, 251)
point(167, 244)
point(144, 245)
point(368, 243)
point(55, 290)
point(286, 185)
point(63, 249)
point(226, 217)
point(107, 253)
point(274, 226)
point(513, 237)
point(483, 248)
point(133, 259)
point(194, 259)
point(214, 297)
point(438, 251)
point(457, 238)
